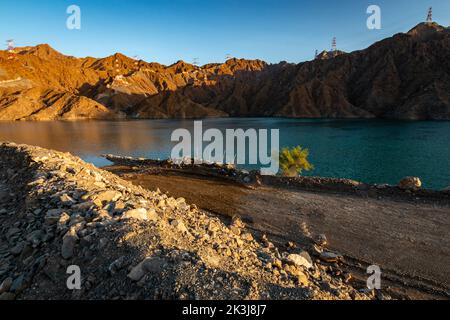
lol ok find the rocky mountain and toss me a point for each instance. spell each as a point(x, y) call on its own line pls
point(406, 76)
point(324, 55)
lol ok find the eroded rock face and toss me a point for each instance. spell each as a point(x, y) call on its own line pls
point(132, 243)
point(403, 77)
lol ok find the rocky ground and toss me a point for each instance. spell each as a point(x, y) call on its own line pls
point(131, 243)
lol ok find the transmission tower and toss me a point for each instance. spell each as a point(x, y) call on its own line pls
point(10, 44)
point(10, 48)
point(136, 61)
point(116, 66)
point(334, 46)
point(195, 61)
point(228, 57)
point(316, 54)
point(430, 15)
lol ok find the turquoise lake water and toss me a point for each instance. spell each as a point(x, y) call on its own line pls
point(372, 151)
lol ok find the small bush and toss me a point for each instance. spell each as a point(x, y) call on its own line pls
point(294, 161)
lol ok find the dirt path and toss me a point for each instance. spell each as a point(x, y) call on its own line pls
point(409, 241)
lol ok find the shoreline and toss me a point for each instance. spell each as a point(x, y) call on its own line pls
point(130, 119)
point(338, 149)
point(311, 183)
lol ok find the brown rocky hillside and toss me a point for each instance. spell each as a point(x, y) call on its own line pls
point(406, 76)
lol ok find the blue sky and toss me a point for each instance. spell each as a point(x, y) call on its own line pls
point(169, 30)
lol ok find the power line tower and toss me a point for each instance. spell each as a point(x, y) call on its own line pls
point(117, 68)
point(316, 54)
point(10, 44)
point(136, 61)
point(195, 61)
point(228, 56)
point(430, 15)
point(334, 46)
point(10, 48)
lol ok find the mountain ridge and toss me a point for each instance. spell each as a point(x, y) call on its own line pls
point(406, 76)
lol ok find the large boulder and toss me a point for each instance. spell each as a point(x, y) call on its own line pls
point(410, 183)
point(300, 260)
point(69, 241)
point(148, 265)
point(141, 214)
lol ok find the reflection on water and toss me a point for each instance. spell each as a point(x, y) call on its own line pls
point(370, 151)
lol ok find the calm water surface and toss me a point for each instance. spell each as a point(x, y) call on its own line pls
point(372, 151)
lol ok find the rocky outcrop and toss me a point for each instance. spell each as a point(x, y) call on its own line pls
point(58, 213)
point(410, 183)
point(35, 104)
point(406, 76)
point(325, 55)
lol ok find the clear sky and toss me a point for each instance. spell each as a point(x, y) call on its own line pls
point(169, 30)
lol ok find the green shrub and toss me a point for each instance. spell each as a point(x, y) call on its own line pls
point(294, 161)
